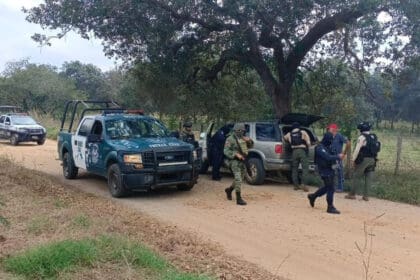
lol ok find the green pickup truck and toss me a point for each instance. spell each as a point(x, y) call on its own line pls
point(131, 150)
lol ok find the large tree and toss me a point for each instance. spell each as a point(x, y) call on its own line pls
point(272, 37)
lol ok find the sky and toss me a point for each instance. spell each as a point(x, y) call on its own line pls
point(16, 43)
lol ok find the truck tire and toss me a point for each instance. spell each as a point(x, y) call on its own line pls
point(41, 142)
point(69, 169)
point(115, 184)
point(14, 140)
point(185, 187)
point(257, 170)
point(204, 168)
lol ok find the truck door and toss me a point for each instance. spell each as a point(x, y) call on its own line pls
point(79, 141)
point(96, 150)
point(2, 128)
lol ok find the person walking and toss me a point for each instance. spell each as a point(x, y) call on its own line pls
point(325, 159)
point(300, 142)
point(364, 160)
point(337, 148)
point(236, 151)
point(186, 134)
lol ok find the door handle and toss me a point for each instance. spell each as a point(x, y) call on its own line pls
point(75, 142)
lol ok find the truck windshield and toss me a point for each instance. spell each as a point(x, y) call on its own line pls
point(135, 128)
point(23, 120)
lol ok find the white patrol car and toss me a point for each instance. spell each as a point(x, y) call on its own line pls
point(19, 127)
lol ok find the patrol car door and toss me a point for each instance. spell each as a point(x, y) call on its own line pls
point(96, 152)
point(79, 143)
point(2, 128)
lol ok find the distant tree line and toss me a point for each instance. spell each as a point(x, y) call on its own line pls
point(331, 88)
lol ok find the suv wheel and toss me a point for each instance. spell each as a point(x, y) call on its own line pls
point(115, 185)
point(14, 139)
point(41, 142)
point(185, 187)
point(69, 169)
point(257, 172)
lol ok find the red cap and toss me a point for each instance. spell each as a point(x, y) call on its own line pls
point(332, 126)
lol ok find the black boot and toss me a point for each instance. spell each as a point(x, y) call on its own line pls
point(239, 199)
point(312, 198)
point(228, 192)
point(331, 209)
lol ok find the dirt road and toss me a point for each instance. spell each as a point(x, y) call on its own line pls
point(277, 230)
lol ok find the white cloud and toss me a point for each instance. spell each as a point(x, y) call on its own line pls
point(16, 43)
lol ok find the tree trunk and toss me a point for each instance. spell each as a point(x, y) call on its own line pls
point(282, 102)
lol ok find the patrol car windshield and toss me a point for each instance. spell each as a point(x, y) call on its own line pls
point(23, 120)
point(135, 128)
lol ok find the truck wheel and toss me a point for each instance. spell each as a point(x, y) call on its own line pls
point(69, 169)
point(41, 142)
point(14, 139)
point(115, 185)
point(204, 167)
point(257, 172)
point(185, 187)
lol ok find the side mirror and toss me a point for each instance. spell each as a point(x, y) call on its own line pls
point(94, 138)
point(174, 134)
point(202, 135)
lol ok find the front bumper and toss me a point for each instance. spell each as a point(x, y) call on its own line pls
point(28, 137)
point(150, 178)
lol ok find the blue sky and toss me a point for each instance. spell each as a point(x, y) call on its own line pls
point(17, 44)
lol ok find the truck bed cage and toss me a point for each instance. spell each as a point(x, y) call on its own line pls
point(107, 106)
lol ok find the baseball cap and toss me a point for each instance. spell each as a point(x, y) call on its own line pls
point(332, 126)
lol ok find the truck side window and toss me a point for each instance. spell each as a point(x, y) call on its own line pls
point(97, 128)
point(2, 119)
point(265, 132)
point(85, 127)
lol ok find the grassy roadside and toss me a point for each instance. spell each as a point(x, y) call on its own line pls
point(55, 232)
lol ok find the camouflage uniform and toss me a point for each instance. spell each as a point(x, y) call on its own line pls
point(235, 164)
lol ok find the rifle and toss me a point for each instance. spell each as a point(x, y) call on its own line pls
point(248, 168)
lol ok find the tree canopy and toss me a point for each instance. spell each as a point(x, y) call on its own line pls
point(272, 37)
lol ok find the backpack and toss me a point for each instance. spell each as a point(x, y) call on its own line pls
point(373, 146)
point(296, 138)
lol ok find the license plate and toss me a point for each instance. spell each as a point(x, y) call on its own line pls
point(35, 137)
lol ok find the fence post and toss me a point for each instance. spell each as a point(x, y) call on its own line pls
point(399, 148)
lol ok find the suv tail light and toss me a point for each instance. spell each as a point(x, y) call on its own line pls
point(278, 149)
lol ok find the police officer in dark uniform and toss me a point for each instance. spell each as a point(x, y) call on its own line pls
point(218, 143)
point(324, 160)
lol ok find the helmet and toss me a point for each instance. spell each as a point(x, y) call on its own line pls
point(364, 126)
point(239, 126)
point(327, 140)
point(187, 124)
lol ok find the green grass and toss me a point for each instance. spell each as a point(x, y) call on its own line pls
point(50, 260)
point(82, 221)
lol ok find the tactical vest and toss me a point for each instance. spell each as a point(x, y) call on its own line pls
point(372, 147)
point(296, 138)
point(243, 147)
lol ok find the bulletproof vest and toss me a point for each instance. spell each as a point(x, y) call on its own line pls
point(296, 138)
point(372, 147)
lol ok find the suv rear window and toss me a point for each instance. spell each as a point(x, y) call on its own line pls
point(266, 132)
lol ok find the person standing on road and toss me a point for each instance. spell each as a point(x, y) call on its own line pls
point(218, 142)
point(325, 159)
point(337, 148)
point(236, 151)
point(300, 142)
point(364, 160)
point(186, 134)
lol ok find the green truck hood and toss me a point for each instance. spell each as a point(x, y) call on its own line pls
point(147, 144)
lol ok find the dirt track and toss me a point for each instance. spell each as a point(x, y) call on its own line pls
point(277, 230)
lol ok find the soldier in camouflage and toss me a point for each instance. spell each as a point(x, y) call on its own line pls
point(186, 134)
point(236, 151)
